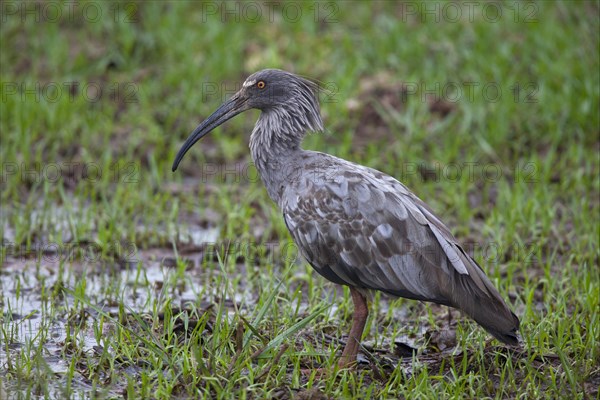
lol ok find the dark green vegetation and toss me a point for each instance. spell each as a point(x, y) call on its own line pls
point(121, 278)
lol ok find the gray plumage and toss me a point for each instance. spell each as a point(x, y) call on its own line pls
point(355, 225)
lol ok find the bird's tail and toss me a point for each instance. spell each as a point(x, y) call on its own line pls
point(477, 297)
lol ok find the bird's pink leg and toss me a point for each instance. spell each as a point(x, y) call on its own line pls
point(359, 319)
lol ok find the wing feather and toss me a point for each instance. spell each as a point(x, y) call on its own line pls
point(371, 238)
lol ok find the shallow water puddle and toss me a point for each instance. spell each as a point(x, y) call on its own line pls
point(51, 306)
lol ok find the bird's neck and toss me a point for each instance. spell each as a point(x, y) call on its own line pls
point(274, 146)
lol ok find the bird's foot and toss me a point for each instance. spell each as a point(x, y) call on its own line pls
point(347, 362)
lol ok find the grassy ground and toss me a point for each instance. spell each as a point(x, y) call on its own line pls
point(120, 278)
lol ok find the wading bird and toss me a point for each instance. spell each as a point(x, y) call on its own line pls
point(356, 226)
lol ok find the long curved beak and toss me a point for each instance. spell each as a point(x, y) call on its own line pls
point(232, 107)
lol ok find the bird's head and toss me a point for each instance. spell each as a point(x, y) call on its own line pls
point(293, 98)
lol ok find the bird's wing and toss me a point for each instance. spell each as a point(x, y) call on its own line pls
point(360, 227)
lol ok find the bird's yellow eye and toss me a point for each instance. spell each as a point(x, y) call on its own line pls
point(260, 84)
